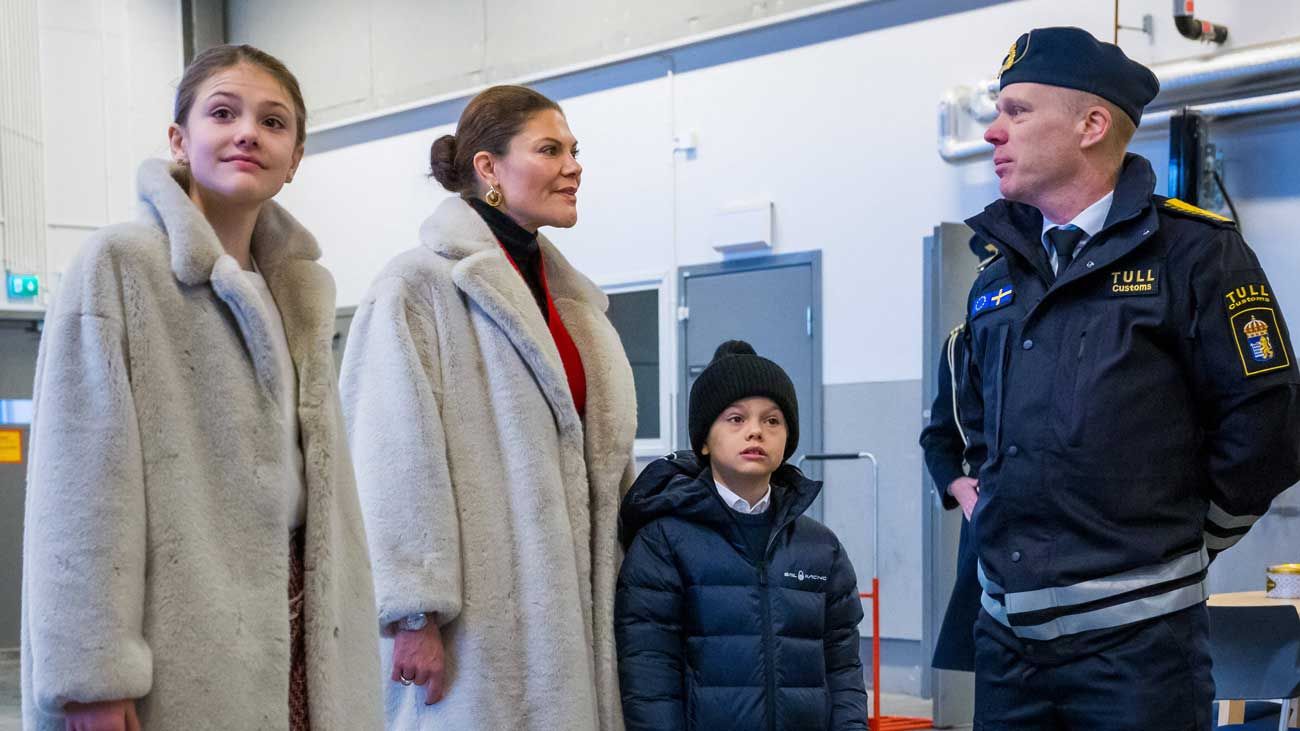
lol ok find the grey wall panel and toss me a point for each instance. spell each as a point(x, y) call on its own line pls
point(524, 35)
point(359, 57)
point(882, 418)
point(1274, 539)
point(421, 49)
point(326, 43)
point(901, 663)
point(203, 25)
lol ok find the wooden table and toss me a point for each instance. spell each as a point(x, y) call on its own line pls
point(1231, 712)
point(1250, 599)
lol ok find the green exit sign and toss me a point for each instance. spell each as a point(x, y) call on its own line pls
point(23, 286)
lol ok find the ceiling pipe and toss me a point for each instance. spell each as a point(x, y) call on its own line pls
point(957, 151)
point(1197, 30)
point(1224, 79)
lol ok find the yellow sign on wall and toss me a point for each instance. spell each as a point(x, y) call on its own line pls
point(11, 446)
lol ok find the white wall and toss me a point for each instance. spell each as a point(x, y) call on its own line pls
point(839, 135)
point(109, 70)
point(386, 52)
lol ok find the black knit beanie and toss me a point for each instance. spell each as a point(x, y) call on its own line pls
point(737, 372)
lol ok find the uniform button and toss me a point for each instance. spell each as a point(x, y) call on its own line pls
point(1015, 556)
point(1013, 450)
point(1027, 345)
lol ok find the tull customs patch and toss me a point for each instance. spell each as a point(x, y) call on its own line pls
point(1134, 282)
point(1253, 320)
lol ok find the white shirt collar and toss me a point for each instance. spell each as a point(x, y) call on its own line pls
point(740, 504)
point(1090, 219)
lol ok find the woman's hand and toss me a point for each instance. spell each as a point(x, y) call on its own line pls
point(102, 716)
point(418, 659)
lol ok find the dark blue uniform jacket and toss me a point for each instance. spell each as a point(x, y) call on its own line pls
point(943, 441)
point(707, 638)
point(1138, 412)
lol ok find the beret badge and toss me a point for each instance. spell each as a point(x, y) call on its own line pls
point(1012, 56)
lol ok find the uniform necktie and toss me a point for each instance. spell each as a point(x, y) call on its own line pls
point(1064, 240)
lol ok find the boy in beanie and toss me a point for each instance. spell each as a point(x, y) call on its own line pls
point(734, 610)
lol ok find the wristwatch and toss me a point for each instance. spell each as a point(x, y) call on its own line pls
point(413, 622)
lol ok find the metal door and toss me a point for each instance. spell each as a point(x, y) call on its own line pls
point(772, 302)
point(342, 325)
point(949, 272)
point(19, 340)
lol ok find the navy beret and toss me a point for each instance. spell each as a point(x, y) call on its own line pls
point(1072, 58)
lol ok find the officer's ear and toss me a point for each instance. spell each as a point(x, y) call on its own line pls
point(1095, 125)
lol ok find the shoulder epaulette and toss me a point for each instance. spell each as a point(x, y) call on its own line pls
point(1180, 207)
point(986, 262)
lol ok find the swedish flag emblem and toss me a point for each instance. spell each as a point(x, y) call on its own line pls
point(992, 300)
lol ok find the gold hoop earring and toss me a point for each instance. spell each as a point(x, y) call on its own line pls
point(493, 196)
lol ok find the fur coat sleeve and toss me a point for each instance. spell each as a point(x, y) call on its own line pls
point(416, 569)
point(84, 397)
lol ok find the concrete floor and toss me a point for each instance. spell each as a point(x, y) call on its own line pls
point(891, 704)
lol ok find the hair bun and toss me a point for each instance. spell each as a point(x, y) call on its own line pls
point(442, 163)
point(733, 347)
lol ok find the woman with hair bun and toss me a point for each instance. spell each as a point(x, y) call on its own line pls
point(491, 413)
point(193, 555)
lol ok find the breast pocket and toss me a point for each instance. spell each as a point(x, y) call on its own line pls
point(991, 357)
point(1074, 370)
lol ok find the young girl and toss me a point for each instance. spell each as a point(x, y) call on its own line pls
point(735, 611)
point(188, 462)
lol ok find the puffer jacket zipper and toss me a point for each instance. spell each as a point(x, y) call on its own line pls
point(769, 636)
point(769, 645)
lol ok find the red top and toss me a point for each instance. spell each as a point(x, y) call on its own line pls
point(569, 355)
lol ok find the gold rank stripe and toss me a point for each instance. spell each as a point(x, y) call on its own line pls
point(1185, 207)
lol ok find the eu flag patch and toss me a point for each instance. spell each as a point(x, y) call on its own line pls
point(992, 300)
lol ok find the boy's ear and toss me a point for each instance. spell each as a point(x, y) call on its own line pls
point(704, 450)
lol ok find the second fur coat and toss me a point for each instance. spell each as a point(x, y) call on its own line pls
point(487, 499)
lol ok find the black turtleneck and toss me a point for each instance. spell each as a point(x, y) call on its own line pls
point(519, 244)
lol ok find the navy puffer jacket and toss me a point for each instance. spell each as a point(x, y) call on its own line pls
point(709, 640)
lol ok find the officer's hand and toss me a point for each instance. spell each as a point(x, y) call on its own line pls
point(967, 491)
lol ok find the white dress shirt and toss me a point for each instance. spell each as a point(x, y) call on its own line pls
point(1090, 220)
point(740, 504)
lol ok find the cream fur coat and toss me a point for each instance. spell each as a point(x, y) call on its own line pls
point(487, 500)
point(156, 547)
